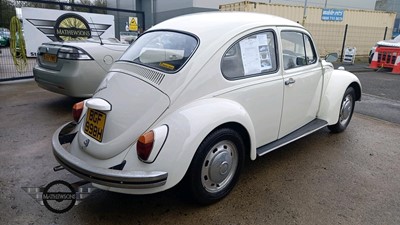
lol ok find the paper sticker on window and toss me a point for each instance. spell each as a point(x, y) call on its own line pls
point(255, 54)
point(167, 65)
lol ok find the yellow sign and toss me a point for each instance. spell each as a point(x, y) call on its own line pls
point(133, 25)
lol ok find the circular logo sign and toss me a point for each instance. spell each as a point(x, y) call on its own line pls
point(59, 196)
point(71, 27)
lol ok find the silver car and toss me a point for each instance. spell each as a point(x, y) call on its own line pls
point(75, 68)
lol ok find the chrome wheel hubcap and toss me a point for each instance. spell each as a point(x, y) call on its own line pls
point(219, 166)
point(347, 108)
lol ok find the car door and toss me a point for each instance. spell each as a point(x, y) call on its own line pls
point(302, 77)
point(251, 64)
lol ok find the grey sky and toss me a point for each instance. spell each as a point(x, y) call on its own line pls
point(342, 4)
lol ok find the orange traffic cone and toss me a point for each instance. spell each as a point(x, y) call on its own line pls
point(396, 67)
point(374, 62)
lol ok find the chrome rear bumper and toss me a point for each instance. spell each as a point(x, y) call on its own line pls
point(107, 177)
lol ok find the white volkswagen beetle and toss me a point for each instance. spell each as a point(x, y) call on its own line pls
point(194, 96)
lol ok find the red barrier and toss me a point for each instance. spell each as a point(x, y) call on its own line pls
point(386, 57)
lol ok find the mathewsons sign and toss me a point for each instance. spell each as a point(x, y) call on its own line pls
point(46, 25)
point(71, 26)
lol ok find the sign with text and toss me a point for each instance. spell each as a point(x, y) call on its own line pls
point(46, 25)
point(332, 15)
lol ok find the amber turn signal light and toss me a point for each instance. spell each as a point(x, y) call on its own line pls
point(145, 145)
point(77, 110)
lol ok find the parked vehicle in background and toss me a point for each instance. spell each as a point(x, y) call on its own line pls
point(75, 68)
point(4, 37)
point(395, 42)
point(197, 94)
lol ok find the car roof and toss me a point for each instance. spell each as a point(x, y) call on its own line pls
point(218, 23)
point(214, 29)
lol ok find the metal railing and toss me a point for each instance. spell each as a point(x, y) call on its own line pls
point(8, 70)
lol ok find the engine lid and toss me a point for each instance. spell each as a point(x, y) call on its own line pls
point(134, 105)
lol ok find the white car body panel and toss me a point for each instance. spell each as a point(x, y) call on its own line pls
point(186, 131)
point(265, 118)
point(197, 99)
point(335, 86)
point(185, 124)
point(125, 124)
point(300, 103)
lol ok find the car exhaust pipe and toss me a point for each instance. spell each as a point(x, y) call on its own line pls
point(58, 168)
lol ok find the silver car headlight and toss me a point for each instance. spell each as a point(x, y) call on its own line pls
point(73, 53)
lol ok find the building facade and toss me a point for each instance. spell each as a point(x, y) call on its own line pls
point(366, 26)
point(156, 11)
point(390, 6)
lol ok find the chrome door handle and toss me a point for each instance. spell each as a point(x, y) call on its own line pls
point(290, 81)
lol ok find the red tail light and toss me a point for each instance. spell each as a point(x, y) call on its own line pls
point(145, 145)
point(77, 111)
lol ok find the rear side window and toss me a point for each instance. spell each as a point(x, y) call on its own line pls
point(166, 51)
point(252, 56)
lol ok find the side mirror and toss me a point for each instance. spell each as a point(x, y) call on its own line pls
point(331, 57)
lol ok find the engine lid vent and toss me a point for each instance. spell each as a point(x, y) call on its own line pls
point(148, 74)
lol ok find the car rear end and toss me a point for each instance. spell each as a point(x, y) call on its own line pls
point(75, 68)
point(107, 127)
point(117, 142)
point(66, 70)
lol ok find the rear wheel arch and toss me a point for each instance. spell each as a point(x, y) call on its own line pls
point(242, 131)
point(200, 191)
point(216, 166)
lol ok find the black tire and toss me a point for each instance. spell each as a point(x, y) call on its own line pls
point(216, 166)
point(346, 111)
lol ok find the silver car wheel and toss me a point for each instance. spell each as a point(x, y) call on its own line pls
point(347, 109)
point(219, 166)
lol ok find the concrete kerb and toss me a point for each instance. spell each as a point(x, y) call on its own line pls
point(354, 68)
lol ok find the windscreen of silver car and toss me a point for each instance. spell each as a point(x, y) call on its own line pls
point(67, 52)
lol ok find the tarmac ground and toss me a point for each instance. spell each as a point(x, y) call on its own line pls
point(347, 178)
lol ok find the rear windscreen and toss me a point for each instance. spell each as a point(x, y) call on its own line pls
point(166, 51)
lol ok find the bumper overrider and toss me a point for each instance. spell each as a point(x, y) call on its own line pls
point(106, 177)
